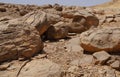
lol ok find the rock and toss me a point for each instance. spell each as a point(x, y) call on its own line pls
point(73, 45)
point(111, 60)
point(17, 41)
point(101, 56)
point(77, 25)
point(21, 37)
point(58, 7)
point(98, 39)
point(87, 60)
point(84, 61)
point(115, 64)
point(57, 31)
point(81, 20)
point(42, 67)
point(117, 19)
point(23, 12)
point(4, 66)
point(91, 19)
point(3, 9)
point(109, 20)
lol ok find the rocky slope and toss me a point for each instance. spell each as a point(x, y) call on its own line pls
point(59, 41)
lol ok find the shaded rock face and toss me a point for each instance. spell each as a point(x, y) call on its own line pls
point(107, 39)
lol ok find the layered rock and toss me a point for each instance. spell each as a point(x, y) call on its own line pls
point(19, 39)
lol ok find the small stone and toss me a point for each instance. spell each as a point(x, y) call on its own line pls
point(4, 66)
point(101, 56)
point(87, 60)
point(115, 64)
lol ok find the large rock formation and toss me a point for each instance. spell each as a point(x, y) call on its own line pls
point(98, 39)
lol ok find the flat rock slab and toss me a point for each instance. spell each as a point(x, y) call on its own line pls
point(107, 39)
point(101, 56)
point(73, 45)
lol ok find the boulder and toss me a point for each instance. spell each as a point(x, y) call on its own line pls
point(98, 39)
point(21, 37)
point(81, 20)
point(77, 25)
point(57, 31)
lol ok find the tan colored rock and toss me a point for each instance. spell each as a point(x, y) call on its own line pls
point(3, 9)
point(77, 25)
point(81, 20)
point(43, 68)
point(101, 56)
point(115, 64)
point(84, 61)
point(73, 45)
point(98, 39)
point(58, 7)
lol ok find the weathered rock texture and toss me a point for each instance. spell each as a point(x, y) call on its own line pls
point(19, 38)
point(98, 39)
